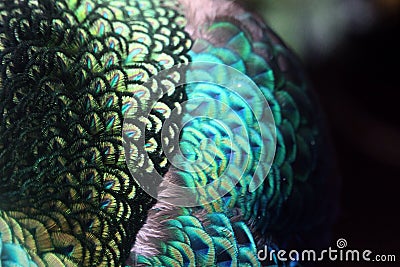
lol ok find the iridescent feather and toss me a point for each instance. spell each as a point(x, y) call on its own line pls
point(76, 86)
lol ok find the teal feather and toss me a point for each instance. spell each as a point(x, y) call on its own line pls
point(284, 206)
point(14, 255)
point(214, 240)
point(73, 90)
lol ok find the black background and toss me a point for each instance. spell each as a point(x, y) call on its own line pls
point(358, 86)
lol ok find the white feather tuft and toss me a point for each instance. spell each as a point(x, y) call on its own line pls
point(201, 13)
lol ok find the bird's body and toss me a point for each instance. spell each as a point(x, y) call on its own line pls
point(77, 85)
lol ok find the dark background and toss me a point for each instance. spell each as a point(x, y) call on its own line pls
point(357, 80)
point(359, 89)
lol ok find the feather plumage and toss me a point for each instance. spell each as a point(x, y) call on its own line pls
point(74, 90)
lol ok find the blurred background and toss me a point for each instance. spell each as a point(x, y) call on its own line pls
point(351, 51)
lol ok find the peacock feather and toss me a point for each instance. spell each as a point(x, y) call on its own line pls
point(96, 97)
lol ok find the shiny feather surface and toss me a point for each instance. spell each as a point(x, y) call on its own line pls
point(77, 88)
point(70, 71)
